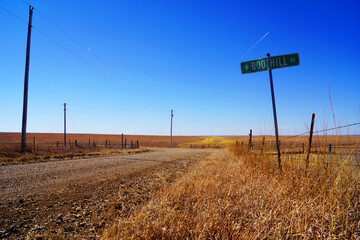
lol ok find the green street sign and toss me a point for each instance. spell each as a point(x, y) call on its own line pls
point(263, 64)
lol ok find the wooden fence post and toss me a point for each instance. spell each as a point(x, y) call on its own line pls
point(125, 143)
point(330, 148)
point(122, 141)
point(250, 143)
point(310, 139)
point(76, 143)
point(303, 150)
point(137, 143)
point(263, 144)
point(57, 143)
point(106, 143)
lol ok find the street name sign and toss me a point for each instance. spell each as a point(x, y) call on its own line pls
point(269, 63)
point(263, 64)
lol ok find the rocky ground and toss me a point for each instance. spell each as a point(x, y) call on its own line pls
point(78, 198)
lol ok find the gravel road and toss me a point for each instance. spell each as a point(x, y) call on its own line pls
point(46, 176)
point(64, 194)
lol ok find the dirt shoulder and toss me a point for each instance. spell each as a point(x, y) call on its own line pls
point(77, 198)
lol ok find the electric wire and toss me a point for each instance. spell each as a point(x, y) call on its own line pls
point(98, 58)
point(154, 104)
point(76, 56)
point(59, 44)
point(12, 14)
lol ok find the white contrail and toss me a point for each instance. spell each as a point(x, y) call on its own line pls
point(247, 51)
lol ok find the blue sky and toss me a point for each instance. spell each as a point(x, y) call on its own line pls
point(139, 59)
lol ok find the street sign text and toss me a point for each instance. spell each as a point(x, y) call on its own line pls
point(264, 64)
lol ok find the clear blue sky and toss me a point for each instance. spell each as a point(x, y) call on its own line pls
point(148, 57)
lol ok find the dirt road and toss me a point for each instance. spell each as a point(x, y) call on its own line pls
point(77, 198)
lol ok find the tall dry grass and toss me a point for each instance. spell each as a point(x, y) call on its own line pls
point(239, 195)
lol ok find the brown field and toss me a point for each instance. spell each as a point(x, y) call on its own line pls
point(178, 141)
point(47, 146)
point(236, 193)
point(145, 140)
point(50, 146)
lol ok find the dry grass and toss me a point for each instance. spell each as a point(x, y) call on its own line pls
point(240, 195)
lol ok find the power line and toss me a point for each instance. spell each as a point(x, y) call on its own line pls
point(97, 57)
point(12, 14)
point(75, 55)
point(156, 105)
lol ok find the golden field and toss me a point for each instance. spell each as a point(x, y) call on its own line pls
point(239, 194)
point(236, 193)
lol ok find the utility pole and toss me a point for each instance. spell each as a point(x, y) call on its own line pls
point(65, 124)
point(26, 83)
point(172, 115)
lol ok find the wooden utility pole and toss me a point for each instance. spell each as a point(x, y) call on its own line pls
point(310, 139)
point(26, 83)
point(65, 124)
point(275, 117)
point(172, 115)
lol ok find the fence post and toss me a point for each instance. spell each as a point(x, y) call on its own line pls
point(89, 142)
point(57, 143)
point(76, 143)
point(125, 143)
point(122, 141)
point(131, 144)
point(330, 148)
point(279, 144)
point(137, 143)
point(250, 144)
point(310, 139)
point(263, 144)
point(106, 143)
point(303, 147)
